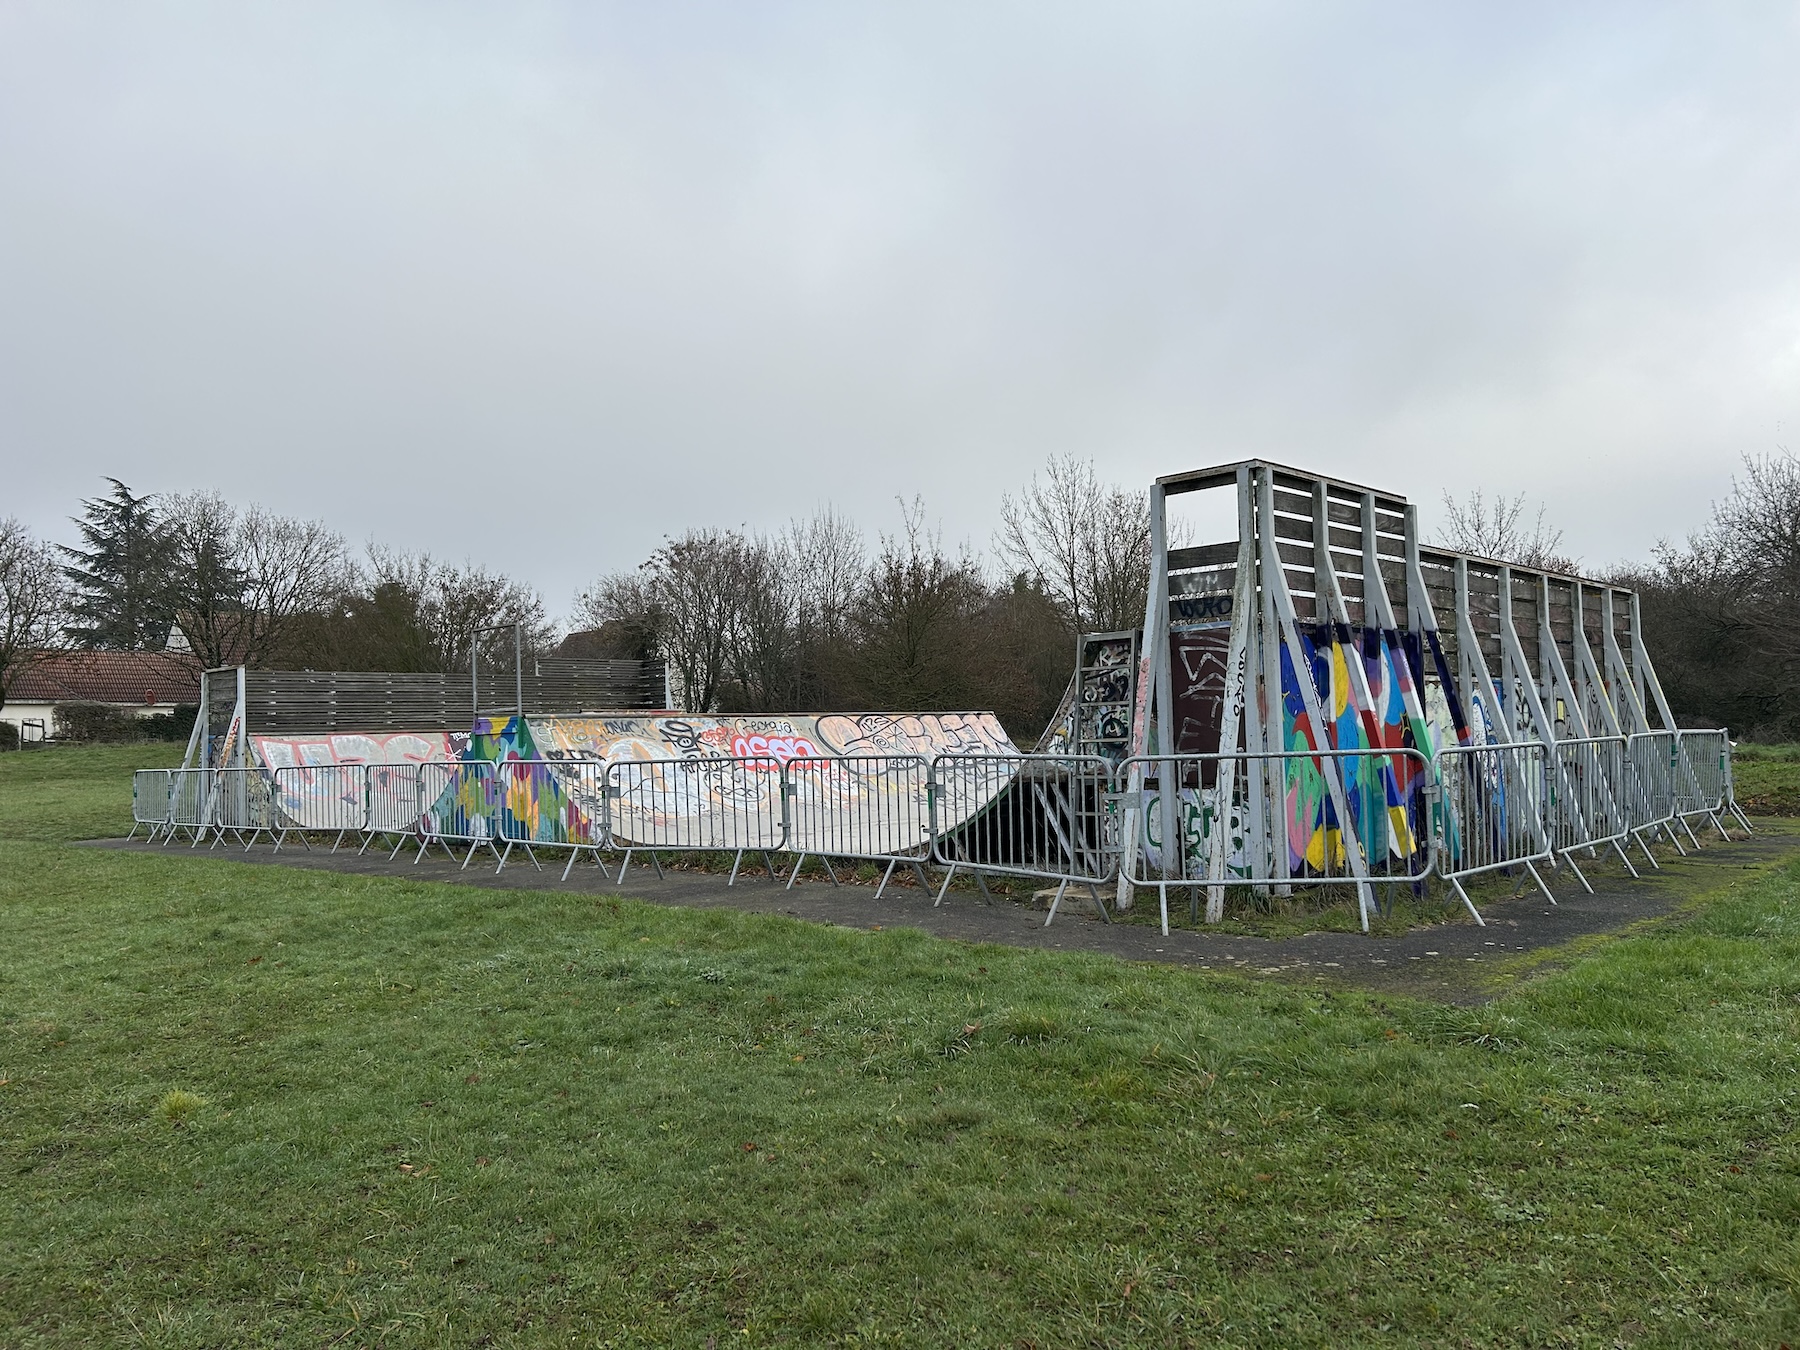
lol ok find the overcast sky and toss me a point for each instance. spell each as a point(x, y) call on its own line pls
point(539, 284)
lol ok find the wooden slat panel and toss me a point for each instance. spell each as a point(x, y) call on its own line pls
point(322, 702)
point(1288, 528)
point(1205, 555)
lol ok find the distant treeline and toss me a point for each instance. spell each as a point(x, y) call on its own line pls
point(817, 617)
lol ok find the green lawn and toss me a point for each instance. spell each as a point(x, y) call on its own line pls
point(248, 1106)
point(1767, 778)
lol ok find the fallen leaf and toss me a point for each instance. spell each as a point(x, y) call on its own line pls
point(749, 1148)
point(406, 1167)
point(473, 1078)
point(1265, 1176)
point(253, 960)
point(1451, 1134)
point(481, 1162)
point(798, 1058)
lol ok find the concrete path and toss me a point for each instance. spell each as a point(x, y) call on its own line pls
point(1457, 962)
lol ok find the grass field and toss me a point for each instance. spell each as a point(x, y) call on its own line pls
point(242, 1106)
point(1767, 778)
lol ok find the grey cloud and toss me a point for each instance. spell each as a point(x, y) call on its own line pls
point(541, 283)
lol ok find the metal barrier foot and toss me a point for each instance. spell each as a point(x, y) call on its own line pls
point(732, 879)
point(892, 864)
point(1061, 886)
point(1470, 903)
point(795, 874)
point(1742, 819)
point(1532, 868)
point(1579, 875)
point(1625, 858)
point(1162, 890)
point(944, 889)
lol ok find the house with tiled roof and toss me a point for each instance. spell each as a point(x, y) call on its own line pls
point(139, 683)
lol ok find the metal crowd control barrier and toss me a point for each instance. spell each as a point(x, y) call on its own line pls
point(1588, 794)
point(322, 798)
point(456, 806)
point(557, 803)
point(1705, 775)
point(190, 799)
point(1305, 797)
point(242, 801)
point(869, 807)
point(553, 803)
point(1493, 812)
point(150, 789)
point(1729, 805)
point(1651, 755)
point(699, 805)
point(396, 805)
point(1057, 823)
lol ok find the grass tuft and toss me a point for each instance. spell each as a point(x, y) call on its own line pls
point(179, 1106)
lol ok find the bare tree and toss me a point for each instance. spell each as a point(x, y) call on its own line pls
point(34, 601)
point(291, 568)
point(206, 583)
point(1726, 605)
point(1085, 545)
point(690, 589)
point(829, 560)
point(1497, 528)
point(449, 603)
point(918, 621)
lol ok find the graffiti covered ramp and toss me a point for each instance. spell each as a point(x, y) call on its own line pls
point(857, 782)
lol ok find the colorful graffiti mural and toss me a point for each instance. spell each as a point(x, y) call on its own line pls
point(1366, 683)
point(867, 795)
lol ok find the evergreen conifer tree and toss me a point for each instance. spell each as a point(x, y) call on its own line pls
point(120, 579)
